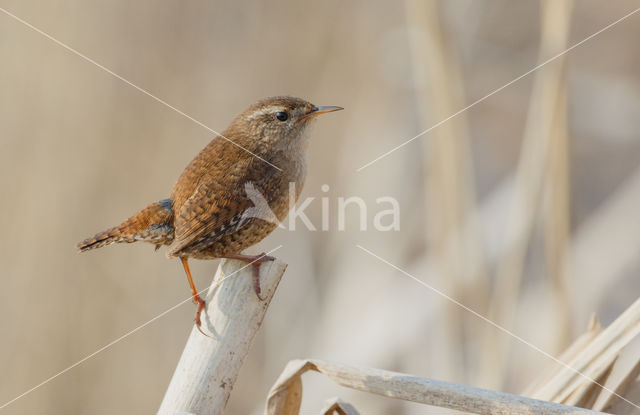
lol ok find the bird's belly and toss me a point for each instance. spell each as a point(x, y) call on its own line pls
point(238, 241)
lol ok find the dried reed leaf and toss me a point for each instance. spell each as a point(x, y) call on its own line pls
point(285, 397)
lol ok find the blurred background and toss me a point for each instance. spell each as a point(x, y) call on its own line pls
point(523, 208)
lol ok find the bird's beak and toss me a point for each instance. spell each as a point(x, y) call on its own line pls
point(321, 110)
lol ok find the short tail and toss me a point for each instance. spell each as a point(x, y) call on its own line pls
point(152, 224)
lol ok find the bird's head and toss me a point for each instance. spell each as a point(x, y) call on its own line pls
point(277, 123)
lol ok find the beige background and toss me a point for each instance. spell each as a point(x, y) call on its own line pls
point(80, 151)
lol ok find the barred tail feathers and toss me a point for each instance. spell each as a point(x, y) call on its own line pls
point(152, 224)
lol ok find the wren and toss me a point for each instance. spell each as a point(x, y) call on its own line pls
point(205, 214)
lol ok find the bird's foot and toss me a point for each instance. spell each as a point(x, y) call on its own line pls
point(201, 304)
point(194, 296)
point(255, 261)
point(256, 272)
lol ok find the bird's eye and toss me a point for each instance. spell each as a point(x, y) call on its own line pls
point(282, 116)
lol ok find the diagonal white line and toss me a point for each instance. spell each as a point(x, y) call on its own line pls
point(496, 325)
point(473, 104)
point(124, 336)
point(144, 91)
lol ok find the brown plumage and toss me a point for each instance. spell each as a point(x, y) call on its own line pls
point(152, 224)
point(205, 216)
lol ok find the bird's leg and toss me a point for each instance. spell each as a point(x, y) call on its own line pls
point(196, 296)
point(255, 261)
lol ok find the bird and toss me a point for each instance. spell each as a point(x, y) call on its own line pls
point(209, 213)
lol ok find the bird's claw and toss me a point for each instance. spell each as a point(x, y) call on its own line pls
point(256, 272)
point(196, 319)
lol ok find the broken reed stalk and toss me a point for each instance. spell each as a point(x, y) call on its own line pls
point(208, 367)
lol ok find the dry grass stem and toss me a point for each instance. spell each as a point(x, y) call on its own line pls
point(543, 109)
point(452, 226)
point(628, 387)
point(594, 356)
point(598, 354)
point(556, 217)
point(593, 330)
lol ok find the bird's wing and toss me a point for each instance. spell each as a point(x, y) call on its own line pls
point(216, 207)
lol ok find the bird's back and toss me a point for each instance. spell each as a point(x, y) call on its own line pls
point(210, 198)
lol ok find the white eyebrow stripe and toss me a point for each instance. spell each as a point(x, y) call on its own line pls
point(267, 110)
